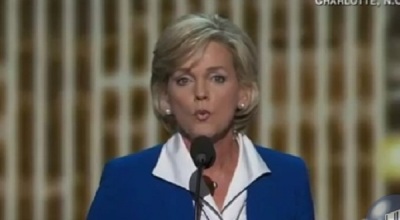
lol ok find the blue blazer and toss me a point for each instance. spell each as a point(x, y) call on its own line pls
point(128, 190)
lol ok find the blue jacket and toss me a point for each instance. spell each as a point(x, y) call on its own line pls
point(128, 190)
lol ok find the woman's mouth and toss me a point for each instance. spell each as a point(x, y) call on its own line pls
point(202, 115)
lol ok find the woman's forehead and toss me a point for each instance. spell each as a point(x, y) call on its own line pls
point(214, 55)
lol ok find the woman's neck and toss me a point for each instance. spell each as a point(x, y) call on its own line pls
point(227, 152)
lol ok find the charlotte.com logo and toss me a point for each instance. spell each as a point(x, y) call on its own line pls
point(386, 208)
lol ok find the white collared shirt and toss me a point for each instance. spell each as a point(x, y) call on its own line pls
point(176, 166)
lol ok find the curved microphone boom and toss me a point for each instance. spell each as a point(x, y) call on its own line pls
point(203, 155)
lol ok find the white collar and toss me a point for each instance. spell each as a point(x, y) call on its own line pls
point(176, 166)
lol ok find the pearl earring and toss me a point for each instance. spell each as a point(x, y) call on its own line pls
point(241, 106)
point(167, 111)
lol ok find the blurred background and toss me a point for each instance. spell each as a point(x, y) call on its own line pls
point(74, 93)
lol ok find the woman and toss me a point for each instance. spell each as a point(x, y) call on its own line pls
point(204, 83)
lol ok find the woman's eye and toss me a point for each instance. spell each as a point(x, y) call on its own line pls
point(219, 79)
point(182, 81)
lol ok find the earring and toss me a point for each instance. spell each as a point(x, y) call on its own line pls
point(167, 111)
point(241, 106)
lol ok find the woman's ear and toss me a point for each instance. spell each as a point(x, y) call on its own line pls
point(165, 106)
point(245, 96)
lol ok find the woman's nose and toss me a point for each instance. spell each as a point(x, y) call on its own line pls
point(201, 91)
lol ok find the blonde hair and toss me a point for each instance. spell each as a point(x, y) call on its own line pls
point(186, 36)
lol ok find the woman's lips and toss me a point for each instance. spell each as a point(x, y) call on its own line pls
point(202, 115)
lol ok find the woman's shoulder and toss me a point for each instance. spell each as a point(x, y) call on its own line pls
point(143, 159)
point(278, 160)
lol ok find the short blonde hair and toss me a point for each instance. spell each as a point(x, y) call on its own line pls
point(189, 34)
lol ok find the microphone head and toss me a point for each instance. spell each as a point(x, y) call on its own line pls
point(202, 152)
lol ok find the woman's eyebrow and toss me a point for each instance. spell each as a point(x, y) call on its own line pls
point(215, 68)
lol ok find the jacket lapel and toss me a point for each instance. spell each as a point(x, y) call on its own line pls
point(263, 200)
point(178, 203)
point(259, 199)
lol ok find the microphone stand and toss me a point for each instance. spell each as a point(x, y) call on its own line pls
point(198, 203)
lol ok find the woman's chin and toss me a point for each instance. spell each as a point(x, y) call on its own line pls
point(201, 131)
point(210, 132)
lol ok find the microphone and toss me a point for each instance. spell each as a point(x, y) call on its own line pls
point(203, 155)
point(202, 152)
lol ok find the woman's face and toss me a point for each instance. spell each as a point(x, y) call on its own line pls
point(204, 93)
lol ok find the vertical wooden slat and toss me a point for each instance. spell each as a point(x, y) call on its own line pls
point(40, 110)
point(153, 20)
point(181, 7)
point(321, 109)
point(350, 115)
point(293, 51)
point(237, 7)
point(11, 14)
point(68, 103)
point(209, 6)
point(379, 58)
point(265, 60)
point(96, 153)
point(124, 76)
